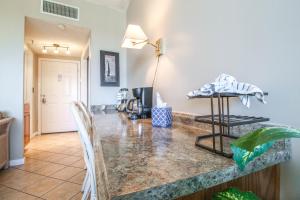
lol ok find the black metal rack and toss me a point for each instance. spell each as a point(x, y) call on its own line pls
point(224, 121)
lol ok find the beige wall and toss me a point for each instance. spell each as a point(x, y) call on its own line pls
point(107, 27)
point(11, 68)
point(256, 41)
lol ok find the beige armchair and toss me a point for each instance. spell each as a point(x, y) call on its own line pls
point(4, 146)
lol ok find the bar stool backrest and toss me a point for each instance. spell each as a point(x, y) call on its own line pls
point(88, 119)
point(88, 151)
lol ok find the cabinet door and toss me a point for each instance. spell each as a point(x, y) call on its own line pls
point(3, 149)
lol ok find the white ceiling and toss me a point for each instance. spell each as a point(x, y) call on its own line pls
point(116, 4)
point(39, 33)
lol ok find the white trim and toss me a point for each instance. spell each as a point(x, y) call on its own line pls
point(39, 96)
point(89, 47)
point(40, 87)
point(35, 134)
point(17, 162)
point(86, 53)
point(29, 69)
point(68, 5)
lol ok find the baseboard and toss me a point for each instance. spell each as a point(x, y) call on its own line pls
point(16, 162)
point(35, 134)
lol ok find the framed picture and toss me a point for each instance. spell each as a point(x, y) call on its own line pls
point(109, 69)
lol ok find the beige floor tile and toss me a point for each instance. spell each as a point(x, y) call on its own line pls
point(21, 180)
point(36, 154)
point(72, 151)
point(78, 152)
point(80, 164)
point(64, 191)
point(77, 196)
point(74, 143)
point(49, 169)
point(32, 165)
point(58, 149)
point(42, 187)
point(11, 174)
point(30, 152)
point(68, 160)
point(43, 154)
point(78, 178)
point(54, 158)
point(10, 194)
point(39, 145)
point(66, 173)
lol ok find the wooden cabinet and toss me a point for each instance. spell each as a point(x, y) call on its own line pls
point(265, 184)
point(4, 146)
point(26, 124)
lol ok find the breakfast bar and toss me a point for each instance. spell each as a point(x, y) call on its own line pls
point(137, 161)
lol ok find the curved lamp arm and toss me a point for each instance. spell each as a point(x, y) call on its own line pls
point(157, 45)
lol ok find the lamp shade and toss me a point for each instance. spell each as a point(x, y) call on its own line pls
point(134, 38)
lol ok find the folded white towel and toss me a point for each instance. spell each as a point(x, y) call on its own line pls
point(228, 84)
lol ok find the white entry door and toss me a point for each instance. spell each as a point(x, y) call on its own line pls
point(58, 91)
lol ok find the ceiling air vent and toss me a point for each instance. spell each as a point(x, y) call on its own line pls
point(59, 9)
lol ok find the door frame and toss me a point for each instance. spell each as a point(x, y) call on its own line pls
point(40, 85)
point(86, 62)
point(28, 53)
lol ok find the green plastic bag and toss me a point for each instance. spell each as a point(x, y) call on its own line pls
point(254, 144)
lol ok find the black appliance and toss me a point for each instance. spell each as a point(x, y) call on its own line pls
point(140, 106)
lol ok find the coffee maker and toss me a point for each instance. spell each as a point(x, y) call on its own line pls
point(122, 98)
point(140, 106)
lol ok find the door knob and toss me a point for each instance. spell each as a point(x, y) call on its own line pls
point(44, 99)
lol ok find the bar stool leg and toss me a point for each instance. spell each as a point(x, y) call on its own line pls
point(84, 182)
point(87, 188)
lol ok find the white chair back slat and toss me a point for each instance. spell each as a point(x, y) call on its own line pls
point(88, 119)
point(86, 113)
point(88, 151)
point(103, 192)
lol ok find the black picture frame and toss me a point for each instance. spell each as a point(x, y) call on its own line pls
point(109, 69)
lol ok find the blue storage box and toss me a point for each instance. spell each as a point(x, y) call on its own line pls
point(162, 117)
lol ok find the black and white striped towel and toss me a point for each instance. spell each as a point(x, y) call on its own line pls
point(228, 84)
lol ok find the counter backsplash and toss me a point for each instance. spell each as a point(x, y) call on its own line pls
point(189, 120)
point(100, 108)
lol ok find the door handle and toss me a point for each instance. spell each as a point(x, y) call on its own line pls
point(44, 99)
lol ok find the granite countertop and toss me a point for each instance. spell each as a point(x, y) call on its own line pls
point(137, 161)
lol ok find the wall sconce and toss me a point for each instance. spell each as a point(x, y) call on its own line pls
point(56, 48)
point(135, 38)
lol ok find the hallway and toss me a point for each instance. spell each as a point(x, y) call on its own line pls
point(53, 169)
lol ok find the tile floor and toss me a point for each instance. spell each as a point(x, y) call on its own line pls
point(53, 169)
